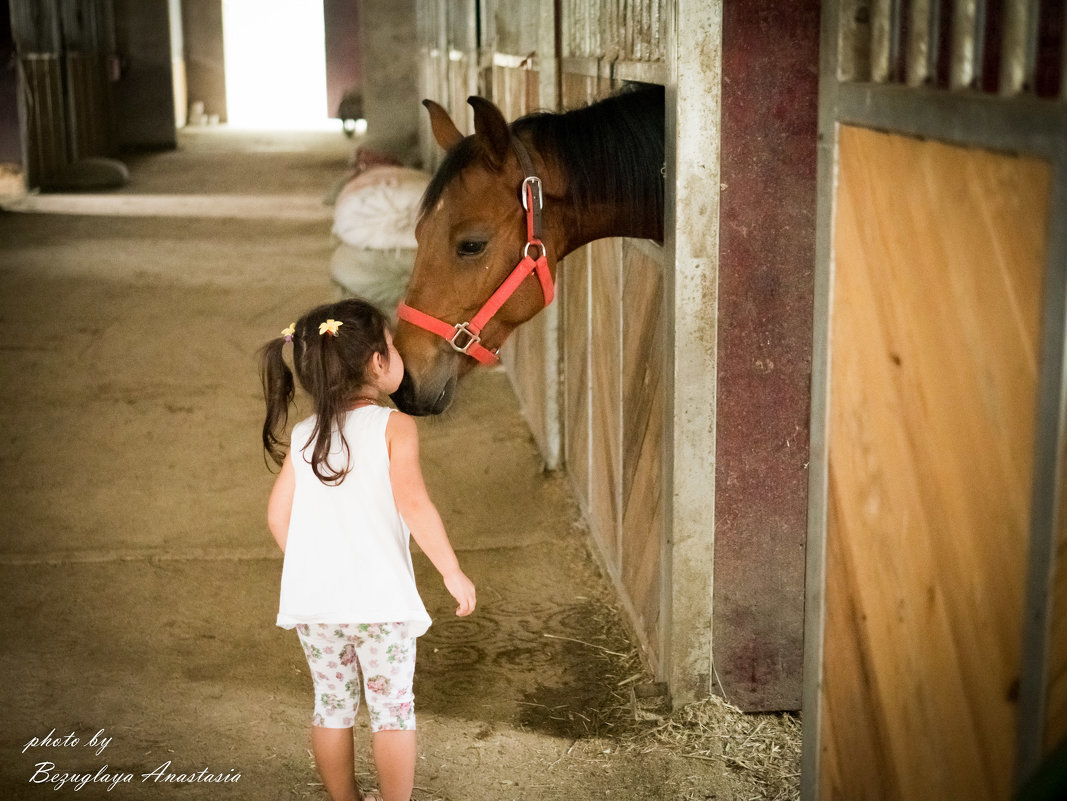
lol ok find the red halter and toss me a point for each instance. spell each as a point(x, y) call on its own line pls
point(465, 337)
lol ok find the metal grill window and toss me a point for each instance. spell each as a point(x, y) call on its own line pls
point(998, 47)
point(624, 30)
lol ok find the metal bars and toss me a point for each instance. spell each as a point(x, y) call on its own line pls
point(622, 30)
point(1009, 48)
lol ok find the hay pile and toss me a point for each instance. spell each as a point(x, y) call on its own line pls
point(763, 749)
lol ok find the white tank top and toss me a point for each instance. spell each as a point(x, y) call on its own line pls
point(347, 558)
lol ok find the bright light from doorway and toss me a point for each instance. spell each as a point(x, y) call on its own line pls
point(275, 64)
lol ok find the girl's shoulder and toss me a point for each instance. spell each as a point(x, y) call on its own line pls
point(400, 425)
point(397, 417)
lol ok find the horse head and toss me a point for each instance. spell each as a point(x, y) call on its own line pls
point(472, 232)
point(487, 255)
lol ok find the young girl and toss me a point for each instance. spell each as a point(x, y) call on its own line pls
point(348, 490)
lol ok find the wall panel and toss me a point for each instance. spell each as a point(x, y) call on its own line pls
point(605, 375)
point(573, 281)
point(43, 111)
point(615, 404)
point(939, 254)
point(643, 388)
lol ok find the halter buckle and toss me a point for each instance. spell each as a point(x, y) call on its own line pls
point(535, 191)
point(463, 329)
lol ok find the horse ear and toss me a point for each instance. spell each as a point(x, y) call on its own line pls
point(444, 130)
point(491, 129)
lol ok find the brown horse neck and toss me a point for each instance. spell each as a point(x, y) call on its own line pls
point(601, 177)
point(568, 228)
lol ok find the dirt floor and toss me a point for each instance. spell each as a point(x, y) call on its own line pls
point(137, 575)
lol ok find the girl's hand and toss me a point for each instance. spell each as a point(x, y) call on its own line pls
point(462, 589)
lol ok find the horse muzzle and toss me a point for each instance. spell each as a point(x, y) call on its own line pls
point(425, 397)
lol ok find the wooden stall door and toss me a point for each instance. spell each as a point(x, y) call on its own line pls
point(613, 341)
point(938, 263)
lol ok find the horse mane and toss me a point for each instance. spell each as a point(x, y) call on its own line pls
point(611, 150)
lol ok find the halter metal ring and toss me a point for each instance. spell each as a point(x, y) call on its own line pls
point(463, 329)
point(533, 243)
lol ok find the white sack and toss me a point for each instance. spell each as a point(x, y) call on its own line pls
point(378, 208)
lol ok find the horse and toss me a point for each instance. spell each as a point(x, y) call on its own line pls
point(505, 205)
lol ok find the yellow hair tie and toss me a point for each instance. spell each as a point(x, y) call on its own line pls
point(330, 327)
point(288, 332)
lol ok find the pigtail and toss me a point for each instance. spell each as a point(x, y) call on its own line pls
point(278, 392)
point(330, 397)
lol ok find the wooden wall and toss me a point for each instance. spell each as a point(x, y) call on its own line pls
point(698, 507)
point(935, 337)
point(610, 301)
point(11, 157)
point(65, 101)
point(613, 344)
point(589, 371)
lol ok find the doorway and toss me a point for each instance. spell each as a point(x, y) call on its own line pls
point(275, 64)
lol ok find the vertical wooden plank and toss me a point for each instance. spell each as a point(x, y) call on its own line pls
point(574, 278)
point(935, 324)
point(524, 356)
point(41, 100)
point(643, 387)
point(605, 288)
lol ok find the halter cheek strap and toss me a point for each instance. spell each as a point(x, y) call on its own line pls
point(466, 337)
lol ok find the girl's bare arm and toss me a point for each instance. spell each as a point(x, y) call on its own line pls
point(419, 512)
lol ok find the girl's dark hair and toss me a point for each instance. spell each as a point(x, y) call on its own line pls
point(331, 368)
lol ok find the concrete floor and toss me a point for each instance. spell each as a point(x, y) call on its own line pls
point(137, 575)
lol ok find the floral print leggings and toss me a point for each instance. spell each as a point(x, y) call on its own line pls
point(336, 653)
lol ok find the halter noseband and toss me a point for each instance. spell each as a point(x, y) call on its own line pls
point(465, 337)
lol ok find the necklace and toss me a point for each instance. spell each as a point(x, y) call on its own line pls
point(360, 402)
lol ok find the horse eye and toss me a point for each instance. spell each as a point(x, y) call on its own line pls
point(470, 247)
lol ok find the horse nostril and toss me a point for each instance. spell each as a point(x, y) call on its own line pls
point(444, 400)
point(408, 400)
